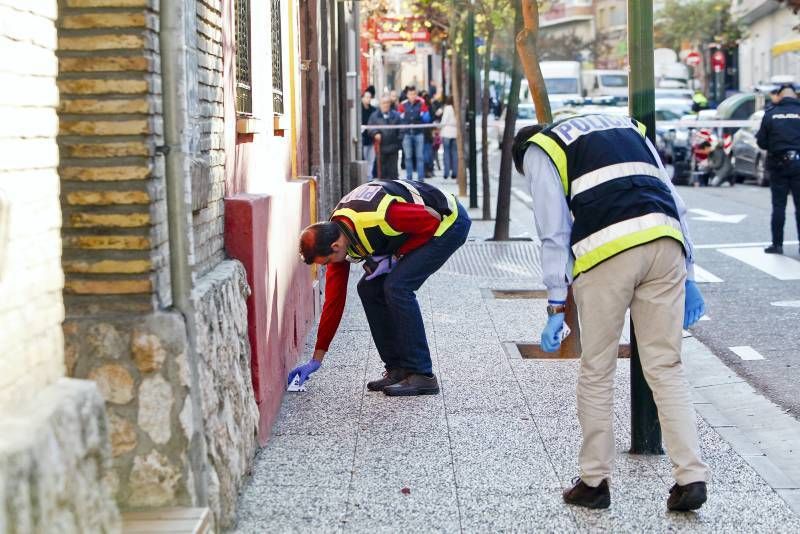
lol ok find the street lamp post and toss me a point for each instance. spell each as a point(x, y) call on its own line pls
point(471, 96)
point(645, 428)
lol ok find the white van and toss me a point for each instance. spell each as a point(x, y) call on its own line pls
point(563, 82)
point(605, 82)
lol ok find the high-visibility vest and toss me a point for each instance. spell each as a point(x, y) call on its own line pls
point(614, 186)
point(366, 206)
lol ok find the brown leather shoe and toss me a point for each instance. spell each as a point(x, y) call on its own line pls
point(413, 384)
point(390, 376)
point(581, 494)
point(687, 498)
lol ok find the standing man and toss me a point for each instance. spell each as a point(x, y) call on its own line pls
point(366, 139)
point(386, 140)
point(403, 231)
point(779, 135)
point(414, 111)
point(609, 218)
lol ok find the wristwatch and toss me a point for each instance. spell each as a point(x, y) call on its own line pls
point(553, 309)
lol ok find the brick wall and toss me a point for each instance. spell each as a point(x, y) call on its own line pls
point(113, 192)
point(208, 180)
point(31, 309)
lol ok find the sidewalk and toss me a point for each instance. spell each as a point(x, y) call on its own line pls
point(493, 451)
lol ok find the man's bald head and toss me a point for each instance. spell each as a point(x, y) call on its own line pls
point(320, 243)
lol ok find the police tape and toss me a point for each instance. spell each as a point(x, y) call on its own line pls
point(398, 126)
point(711, 123)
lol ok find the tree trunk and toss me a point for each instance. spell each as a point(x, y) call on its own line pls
point(458, 107)
point(526, 49)
point(487, 66)
point(503, 214)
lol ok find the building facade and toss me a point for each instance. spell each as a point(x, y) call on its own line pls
point(171, 154)
point(771, 46)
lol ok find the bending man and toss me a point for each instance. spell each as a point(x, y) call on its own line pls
point(609, 217)
point(403, 231)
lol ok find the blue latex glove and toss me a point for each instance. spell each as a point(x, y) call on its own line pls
point(693, 307)
point(385, 266)
point(551, 335)
point(304, 371)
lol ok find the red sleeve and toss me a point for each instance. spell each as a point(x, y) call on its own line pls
point(414, 220)
point(335, 297)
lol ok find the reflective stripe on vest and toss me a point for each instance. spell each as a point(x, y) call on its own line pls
point(621, 236)
point(612, 172)
point(369, 219)
point(447, 221)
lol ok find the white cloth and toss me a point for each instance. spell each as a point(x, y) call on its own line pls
point(448, 123)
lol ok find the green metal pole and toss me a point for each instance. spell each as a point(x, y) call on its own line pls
point(471, 96)
point(645, 428)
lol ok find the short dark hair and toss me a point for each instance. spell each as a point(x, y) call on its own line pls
point(411, 88)
point(521, 142)
point(316, 240)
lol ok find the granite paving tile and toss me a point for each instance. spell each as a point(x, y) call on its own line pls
point(485, 396)
point(537, 510)
point(386, 507)
point(299, 509)
point(291, 460)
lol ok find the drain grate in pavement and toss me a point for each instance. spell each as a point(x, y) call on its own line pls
point(512, 294)
point(533, 351)
point(516, 259)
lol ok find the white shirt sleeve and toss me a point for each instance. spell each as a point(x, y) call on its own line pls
point(553, 221)
point(681, 205)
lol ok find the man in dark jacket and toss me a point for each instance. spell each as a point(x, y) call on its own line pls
point(779, 135)
point(388, 139)
point(414, 111)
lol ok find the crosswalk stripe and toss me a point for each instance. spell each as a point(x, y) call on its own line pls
point(747, 353)
point(775, 265)
point(701, 276)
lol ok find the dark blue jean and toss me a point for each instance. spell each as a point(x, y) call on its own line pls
point(390, 302)
point(413, 148)
point(783, 181)
point(450, 157)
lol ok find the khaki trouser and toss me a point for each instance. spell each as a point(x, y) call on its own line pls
point(648, 279)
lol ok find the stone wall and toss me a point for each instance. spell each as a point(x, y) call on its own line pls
point(139, 363)
point(54, 459)
point(230, 414)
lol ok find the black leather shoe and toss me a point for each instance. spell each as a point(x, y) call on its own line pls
point(687, 498)
point(392, 376)
point(413, 384)
point(581, 494)
point(774, 249)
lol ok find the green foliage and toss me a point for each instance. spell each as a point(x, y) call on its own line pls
point(697, 22)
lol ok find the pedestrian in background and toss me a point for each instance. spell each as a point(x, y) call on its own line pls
point(414, 112)
point(779, 135)
point(428, 136)
point(388, 139)
point(612, 224)
point(449, 133)
point(366, 139)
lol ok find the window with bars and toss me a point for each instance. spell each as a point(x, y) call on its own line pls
point(277, 59)
point(244, 76)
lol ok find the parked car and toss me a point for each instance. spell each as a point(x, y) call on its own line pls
point(526, 116)
point(749, 161)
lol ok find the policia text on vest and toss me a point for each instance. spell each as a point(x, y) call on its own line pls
point(403, 231)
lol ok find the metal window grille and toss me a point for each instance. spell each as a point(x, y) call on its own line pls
point(244, 80)
point(277, 59)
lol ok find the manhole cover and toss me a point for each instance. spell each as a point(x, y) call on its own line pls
point(515, 259)
point(534, 351)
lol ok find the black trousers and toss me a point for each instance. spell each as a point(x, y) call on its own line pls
point(389, 165)
point(782, 181)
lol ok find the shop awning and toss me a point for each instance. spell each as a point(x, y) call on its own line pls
point(792, 45)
